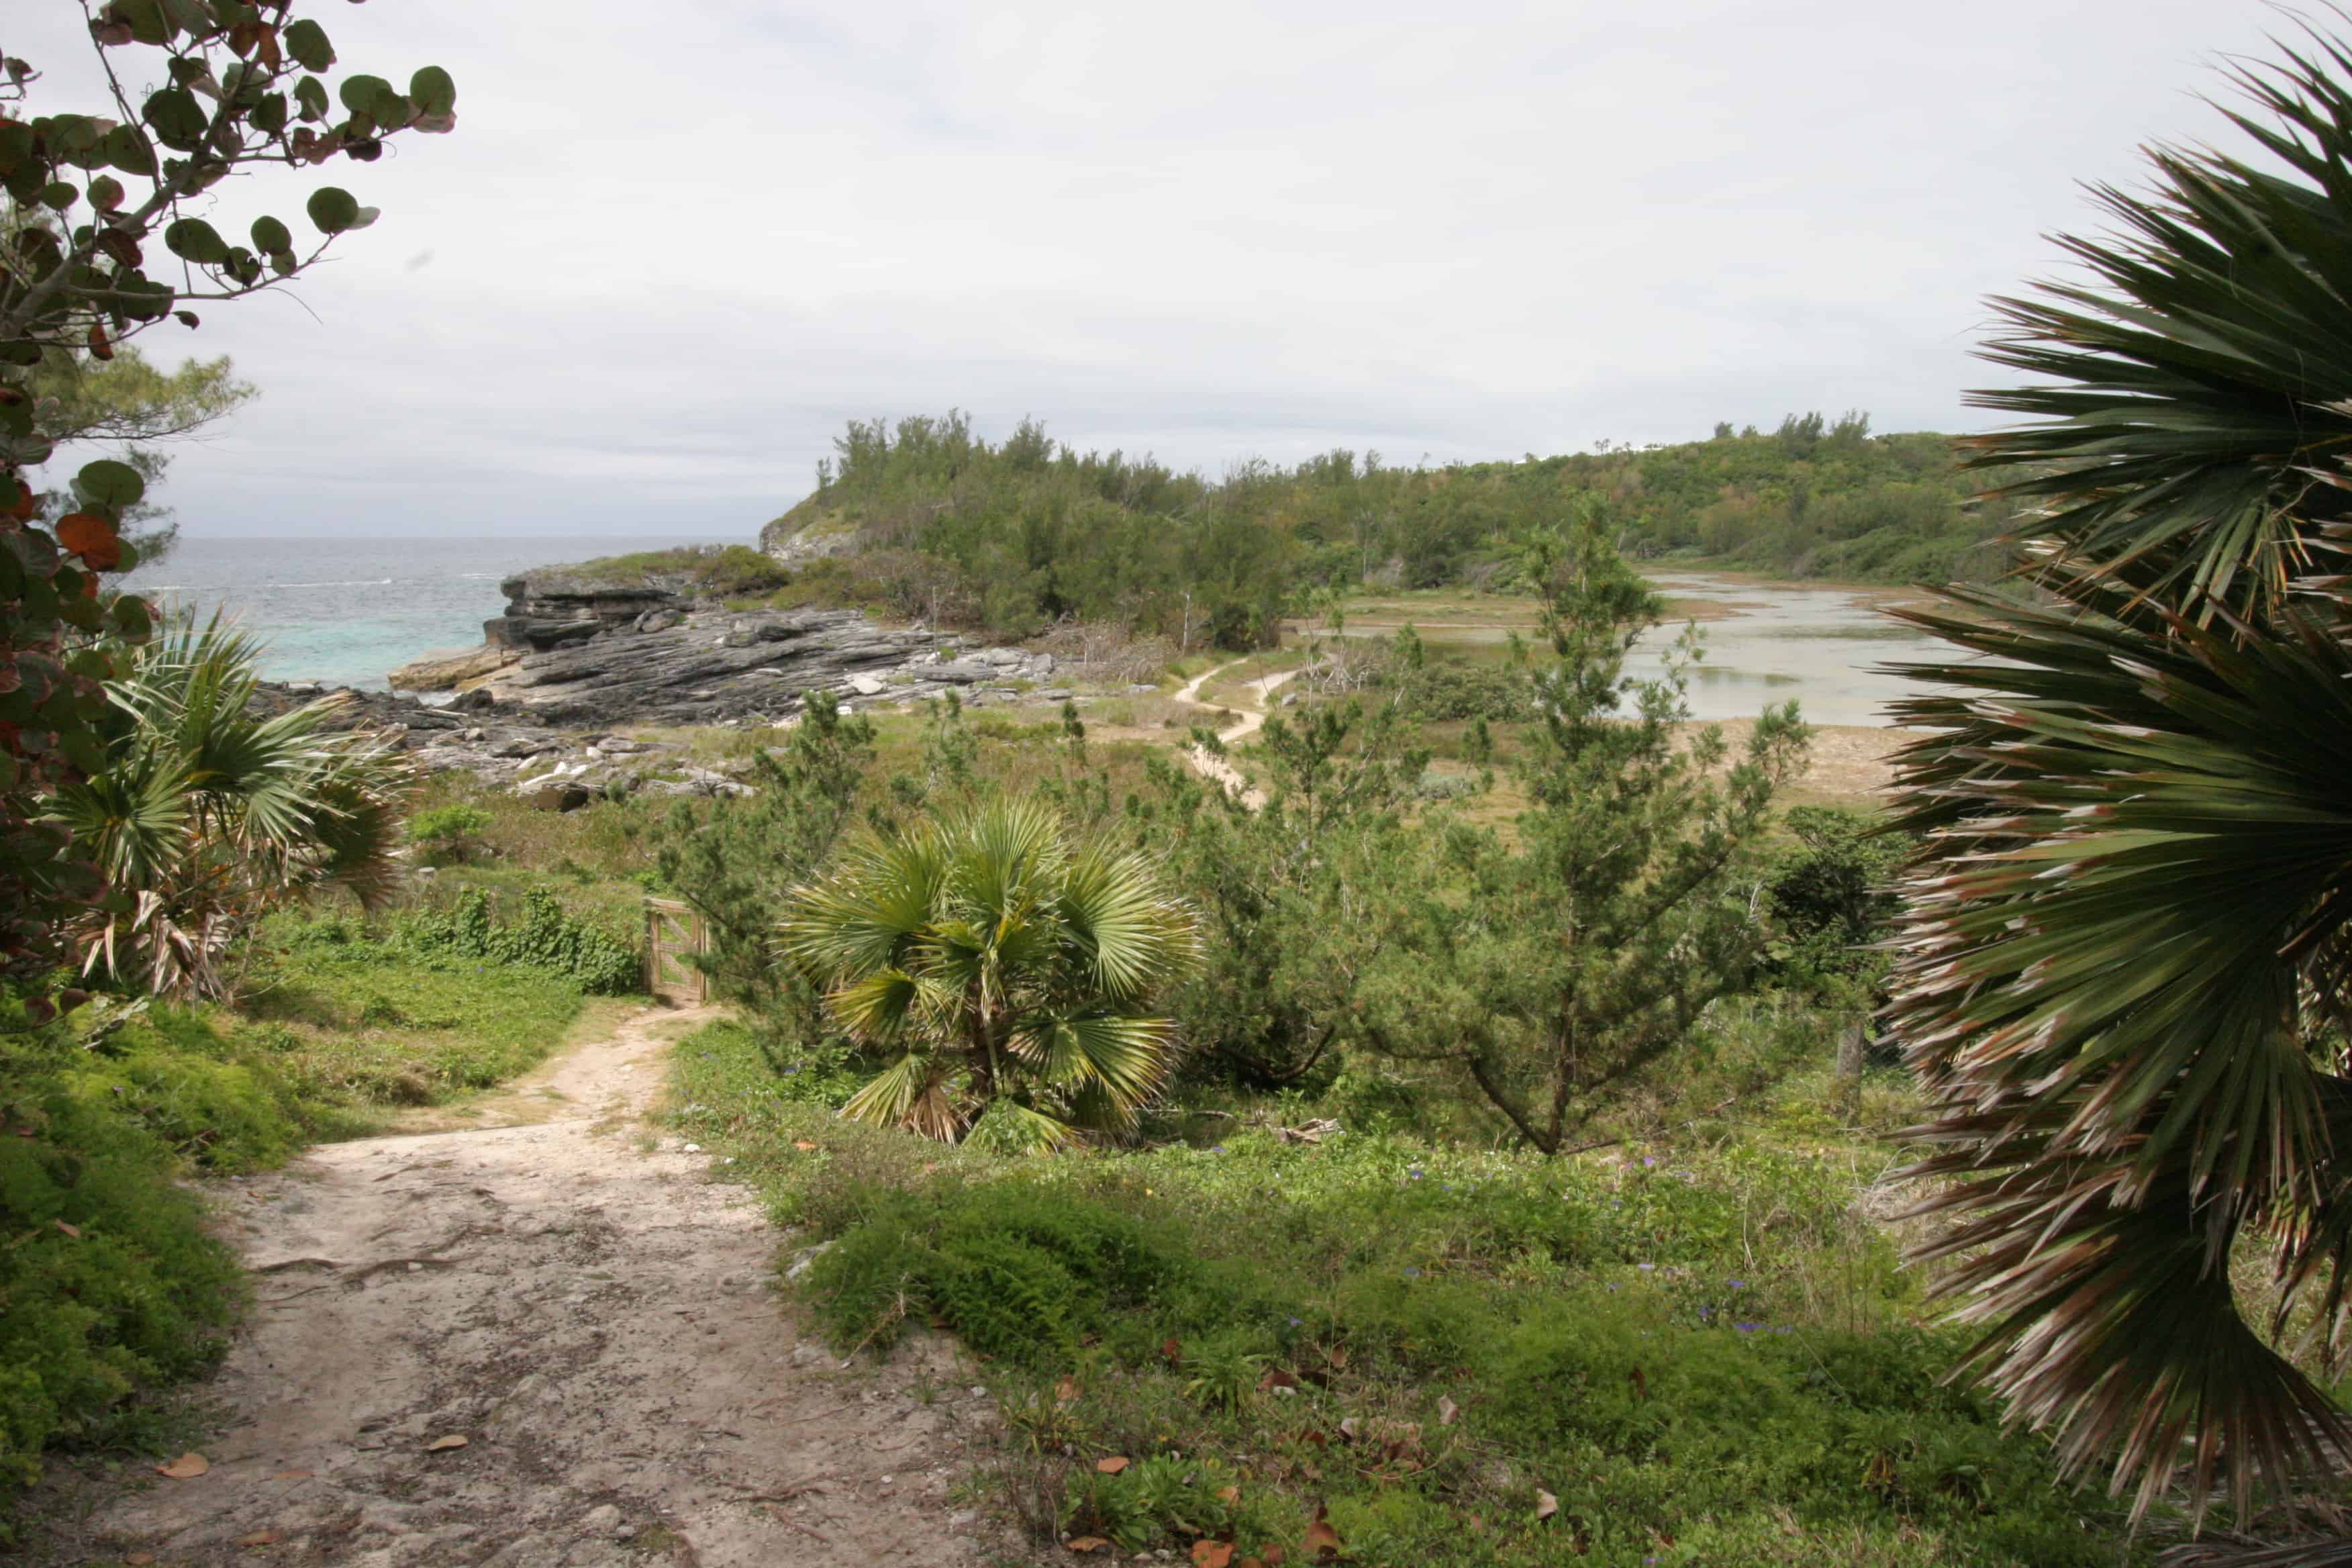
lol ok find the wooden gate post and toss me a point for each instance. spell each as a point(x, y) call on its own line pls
point(673, 932)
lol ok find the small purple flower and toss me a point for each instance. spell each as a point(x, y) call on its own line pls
point(1748, 1328)
point(1217, 1149)
point(1296, 1322)
point(1413, 1273)
point(1415, 1172)
point(1647, 1162)
point(1736, 1284)
point(1646, 1265)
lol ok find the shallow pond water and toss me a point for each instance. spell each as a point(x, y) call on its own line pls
point(1820, 646)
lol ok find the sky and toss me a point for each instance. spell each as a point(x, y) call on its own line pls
point(670, 250)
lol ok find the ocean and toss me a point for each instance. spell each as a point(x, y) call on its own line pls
point(347, 611)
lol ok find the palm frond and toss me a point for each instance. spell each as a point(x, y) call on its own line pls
point(960, 938)
point(2185, 398)
point(873, 1008)
point(1009, 1127)
point(356, 825)
point(1005, 849)
point(1126, 930)
point(1126, 1058)
point(210, 815)
point(133, 817)
point(914, 1093)
point(880, 899)
point(2110, 1321)
point(2139, 853)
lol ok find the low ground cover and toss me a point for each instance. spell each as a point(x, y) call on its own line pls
point(724, 570)
point(1674, 1352)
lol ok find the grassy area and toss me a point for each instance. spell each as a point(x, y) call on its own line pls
point(356, 1024)
point(1693, 1351)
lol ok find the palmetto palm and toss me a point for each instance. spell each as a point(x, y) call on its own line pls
point(1009, 972)
point(209, 813)
point(2122, 976)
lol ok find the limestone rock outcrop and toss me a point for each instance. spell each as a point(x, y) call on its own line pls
point(694, 667)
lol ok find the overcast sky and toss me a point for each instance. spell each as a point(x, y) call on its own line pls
point(671, 248)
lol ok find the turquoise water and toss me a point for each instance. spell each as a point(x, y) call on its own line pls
point(346, 611)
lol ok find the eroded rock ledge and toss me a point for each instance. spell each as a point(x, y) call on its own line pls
point(576, 658)
point(574, 649)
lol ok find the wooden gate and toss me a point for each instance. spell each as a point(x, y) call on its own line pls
point(673, 931)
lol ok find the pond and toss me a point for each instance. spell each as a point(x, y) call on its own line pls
point(1776, 641)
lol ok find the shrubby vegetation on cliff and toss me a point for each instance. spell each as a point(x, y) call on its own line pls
point(925, 518)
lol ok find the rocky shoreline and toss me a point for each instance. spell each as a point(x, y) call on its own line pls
point(576, 659)
point(574, 649)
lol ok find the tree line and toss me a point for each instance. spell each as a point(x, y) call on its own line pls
point(934, 521)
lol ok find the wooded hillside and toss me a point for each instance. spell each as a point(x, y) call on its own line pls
point(927, 518)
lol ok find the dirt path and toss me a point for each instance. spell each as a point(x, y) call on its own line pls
point(1247, 722)
point(592, 1316)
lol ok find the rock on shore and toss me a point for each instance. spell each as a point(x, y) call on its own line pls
point(576, 649)
point(578, 656)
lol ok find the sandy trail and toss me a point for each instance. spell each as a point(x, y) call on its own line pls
point(592, 1315)
point(1247, 722)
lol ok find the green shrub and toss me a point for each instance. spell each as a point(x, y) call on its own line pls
point(460, 819)
point(1452, 691)
point(225, 1116)
point(1021, 1274)
point(1006, 1297)
point(449, 834)
point(1112, 1253)
point(546, 937)
point(724, 571)
point(872, 1281)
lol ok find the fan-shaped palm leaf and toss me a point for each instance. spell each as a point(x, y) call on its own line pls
point(982, 942)
point(1003, 850)
point(212, 812)
point(2141, 860)
point(881, 897)
point(913, 1092)
point(133, 817)
point(1123, 1060)
point(1122, 926)
point(1009, 1127)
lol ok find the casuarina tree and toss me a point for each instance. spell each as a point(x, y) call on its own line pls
point(1551, 970)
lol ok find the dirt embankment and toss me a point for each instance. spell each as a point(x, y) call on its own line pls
point(555, 1343)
